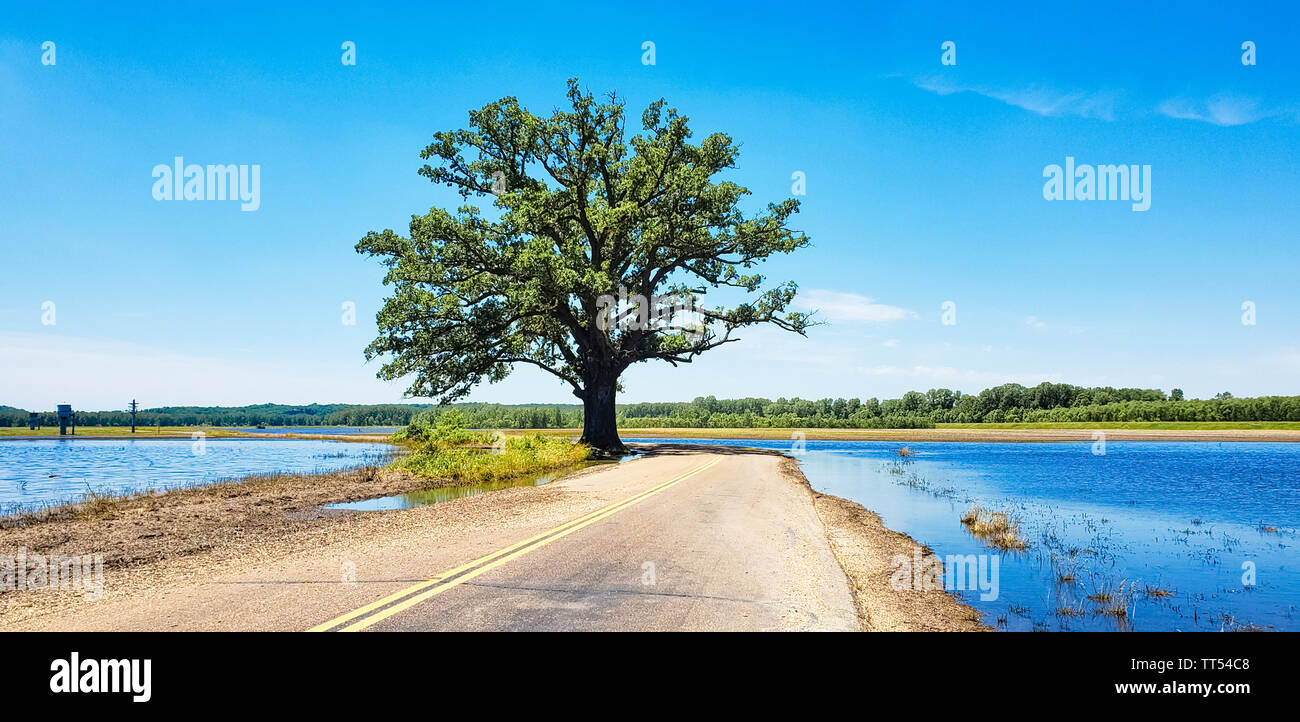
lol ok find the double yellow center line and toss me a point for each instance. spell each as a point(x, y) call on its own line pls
point(400, 601)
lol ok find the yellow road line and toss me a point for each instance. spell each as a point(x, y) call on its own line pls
point(491, 560)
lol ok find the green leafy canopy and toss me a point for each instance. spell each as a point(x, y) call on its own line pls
point(581, 209)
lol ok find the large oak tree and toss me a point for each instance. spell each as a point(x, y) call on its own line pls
point(581, 210)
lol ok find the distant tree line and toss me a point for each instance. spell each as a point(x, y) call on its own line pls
point(1046, 402)
point(524, 416)
point(240, 416)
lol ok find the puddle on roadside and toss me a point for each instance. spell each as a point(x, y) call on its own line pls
point(424, 497)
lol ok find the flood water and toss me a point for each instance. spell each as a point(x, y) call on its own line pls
point(42, 472)
point(1180, 535)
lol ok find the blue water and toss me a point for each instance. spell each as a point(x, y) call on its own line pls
point(1190, 519)
point(324, 430)
point(41, 472)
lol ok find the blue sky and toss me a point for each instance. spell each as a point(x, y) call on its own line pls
point(924, 185)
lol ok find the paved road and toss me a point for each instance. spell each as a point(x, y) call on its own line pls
point(677, 540)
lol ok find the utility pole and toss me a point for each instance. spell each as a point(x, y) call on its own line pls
point(134, 408)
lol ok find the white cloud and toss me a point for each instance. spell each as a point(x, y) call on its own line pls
point(847, 307)
point(1040, 99)
point(1222, 110)
point(890, 343)
point(1033, 322)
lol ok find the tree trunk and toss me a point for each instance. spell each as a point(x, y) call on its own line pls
point(599, 423)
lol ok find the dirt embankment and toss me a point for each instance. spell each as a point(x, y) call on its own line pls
point(144, 537)
point(138, 529)
point(866, 550)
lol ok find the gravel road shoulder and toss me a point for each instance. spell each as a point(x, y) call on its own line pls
point(865, 549)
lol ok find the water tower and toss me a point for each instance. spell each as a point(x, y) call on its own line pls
point(66, 417)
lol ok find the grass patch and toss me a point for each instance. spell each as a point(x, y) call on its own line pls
point(441, 448)
point(517, 456)
point(97, 505)
point(996, 529)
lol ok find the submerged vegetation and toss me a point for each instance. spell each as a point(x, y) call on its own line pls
point(1079, 559)
point(996, 529)
point(442, 448)
point(1113, 600)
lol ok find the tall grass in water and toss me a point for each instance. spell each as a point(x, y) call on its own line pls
point(994, 528)
point(1113, 600)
